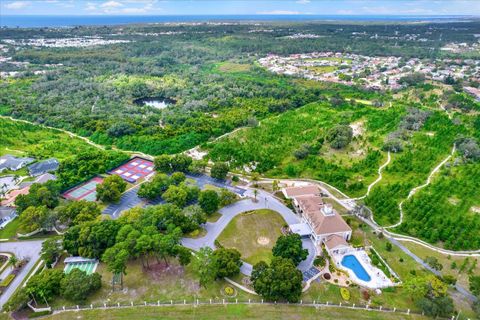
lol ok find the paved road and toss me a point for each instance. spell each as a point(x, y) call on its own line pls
point(21, 249)
point(265, 201)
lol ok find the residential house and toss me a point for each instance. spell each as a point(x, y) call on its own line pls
point(9, 200)
point(9, 162)
point(42, 167)
point(7, 214)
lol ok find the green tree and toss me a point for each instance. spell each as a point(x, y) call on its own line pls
point(116, 259)
point(219, 171)
point(177, 177)
point(33, 218)
point(205, 265)
point(227, 197)
point(76, 212)
point(13, 261)
point(77, 285)
point(340, 136)
point(474, 284)
point(290, 247)
point(209, 201)
point(176, 195)
point(228, 262)
point(43, 287)
point(281, 281)
point(51, 251)
point(111, 189)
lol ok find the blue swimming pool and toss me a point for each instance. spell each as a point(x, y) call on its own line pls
point(351, 262)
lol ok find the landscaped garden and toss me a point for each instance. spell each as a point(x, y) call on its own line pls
point(253, 234)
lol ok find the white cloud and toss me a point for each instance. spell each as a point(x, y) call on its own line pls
point(111, 4)
point(285, 12)
point(345, 11)
point(16, 5)
point(134, 10)
point(303, 1)
point(90, 6)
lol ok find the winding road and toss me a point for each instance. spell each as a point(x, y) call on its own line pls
point(265, 201)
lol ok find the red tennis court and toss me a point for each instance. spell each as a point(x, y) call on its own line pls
point(85, 191)
point(135, 169)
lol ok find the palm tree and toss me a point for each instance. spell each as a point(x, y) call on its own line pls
point(13, 261)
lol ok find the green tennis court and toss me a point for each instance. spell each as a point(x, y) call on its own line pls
point(89, 267)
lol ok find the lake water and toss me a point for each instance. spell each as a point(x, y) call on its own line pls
point(36, 21)
point(155, 102)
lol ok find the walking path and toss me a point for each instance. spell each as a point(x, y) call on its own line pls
point(414, 190)
point(265, 201)
point(380, 169)
point(22, 250)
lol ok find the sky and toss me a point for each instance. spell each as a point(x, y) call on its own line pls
point(239, 7)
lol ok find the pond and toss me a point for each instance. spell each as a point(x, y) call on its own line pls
point(155, 102)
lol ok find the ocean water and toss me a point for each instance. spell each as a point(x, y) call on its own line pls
point(37, 21)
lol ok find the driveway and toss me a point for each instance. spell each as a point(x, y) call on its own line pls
point(265, 201)
point(21, 249)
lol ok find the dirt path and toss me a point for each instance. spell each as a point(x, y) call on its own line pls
point(380, 169)
point(414, 190)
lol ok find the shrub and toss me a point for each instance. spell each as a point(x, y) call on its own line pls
point(39, 314)
point(8, 279)
point(229, 291)
point(345, 294)
point(365, 294)
point(327, 276)
point(319, 261)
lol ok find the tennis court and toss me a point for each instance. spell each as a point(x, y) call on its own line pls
point(134, 169)
point(87, 266)
point(85, 191)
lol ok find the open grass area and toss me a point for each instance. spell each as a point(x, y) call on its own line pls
point(231, 312)
point(35, 141)
point(272, 145)
point(10, 229)
point(463, 267)
point(233, 67)
point(254, 234)
point(160, 282)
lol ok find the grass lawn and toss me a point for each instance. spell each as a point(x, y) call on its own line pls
point(214, 217)
point(464, 265)
point(230, 312)
point(159, 283)
point(247, 231)
point(233, 67)
point(10, 229)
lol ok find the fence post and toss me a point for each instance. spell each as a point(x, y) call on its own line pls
point(236, 301)
point(78, 307)
point(353, 306)
point(184, 301)
point(340, 304)
point(408, 311)
point(158, 302)
point(91, 306)
point(394, 309)
point(262, 301)
point(210, 301)
point(327, 303)
point(131, 303)
point(197, 302)
point(366, 307)
point(171, 302)
point(248, 301)
point(104, 305)
point(145, 302)
point(64, 308)
point(314, 302)
point(380, 308)
point(223, 301)
point(118, 304)
point(301, 301)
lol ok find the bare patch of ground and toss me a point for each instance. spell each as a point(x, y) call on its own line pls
point(263, 241)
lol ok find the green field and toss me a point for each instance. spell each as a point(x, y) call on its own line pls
point(231, 312)
point(272, 145)
point(246, 232)
point(10, 229)
point(31, 140)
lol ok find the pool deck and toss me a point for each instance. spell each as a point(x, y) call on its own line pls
point(378, 278)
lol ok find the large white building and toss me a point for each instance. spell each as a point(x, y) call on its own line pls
point(324, 222)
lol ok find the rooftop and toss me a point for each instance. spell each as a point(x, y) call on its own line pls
point(300, 191)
